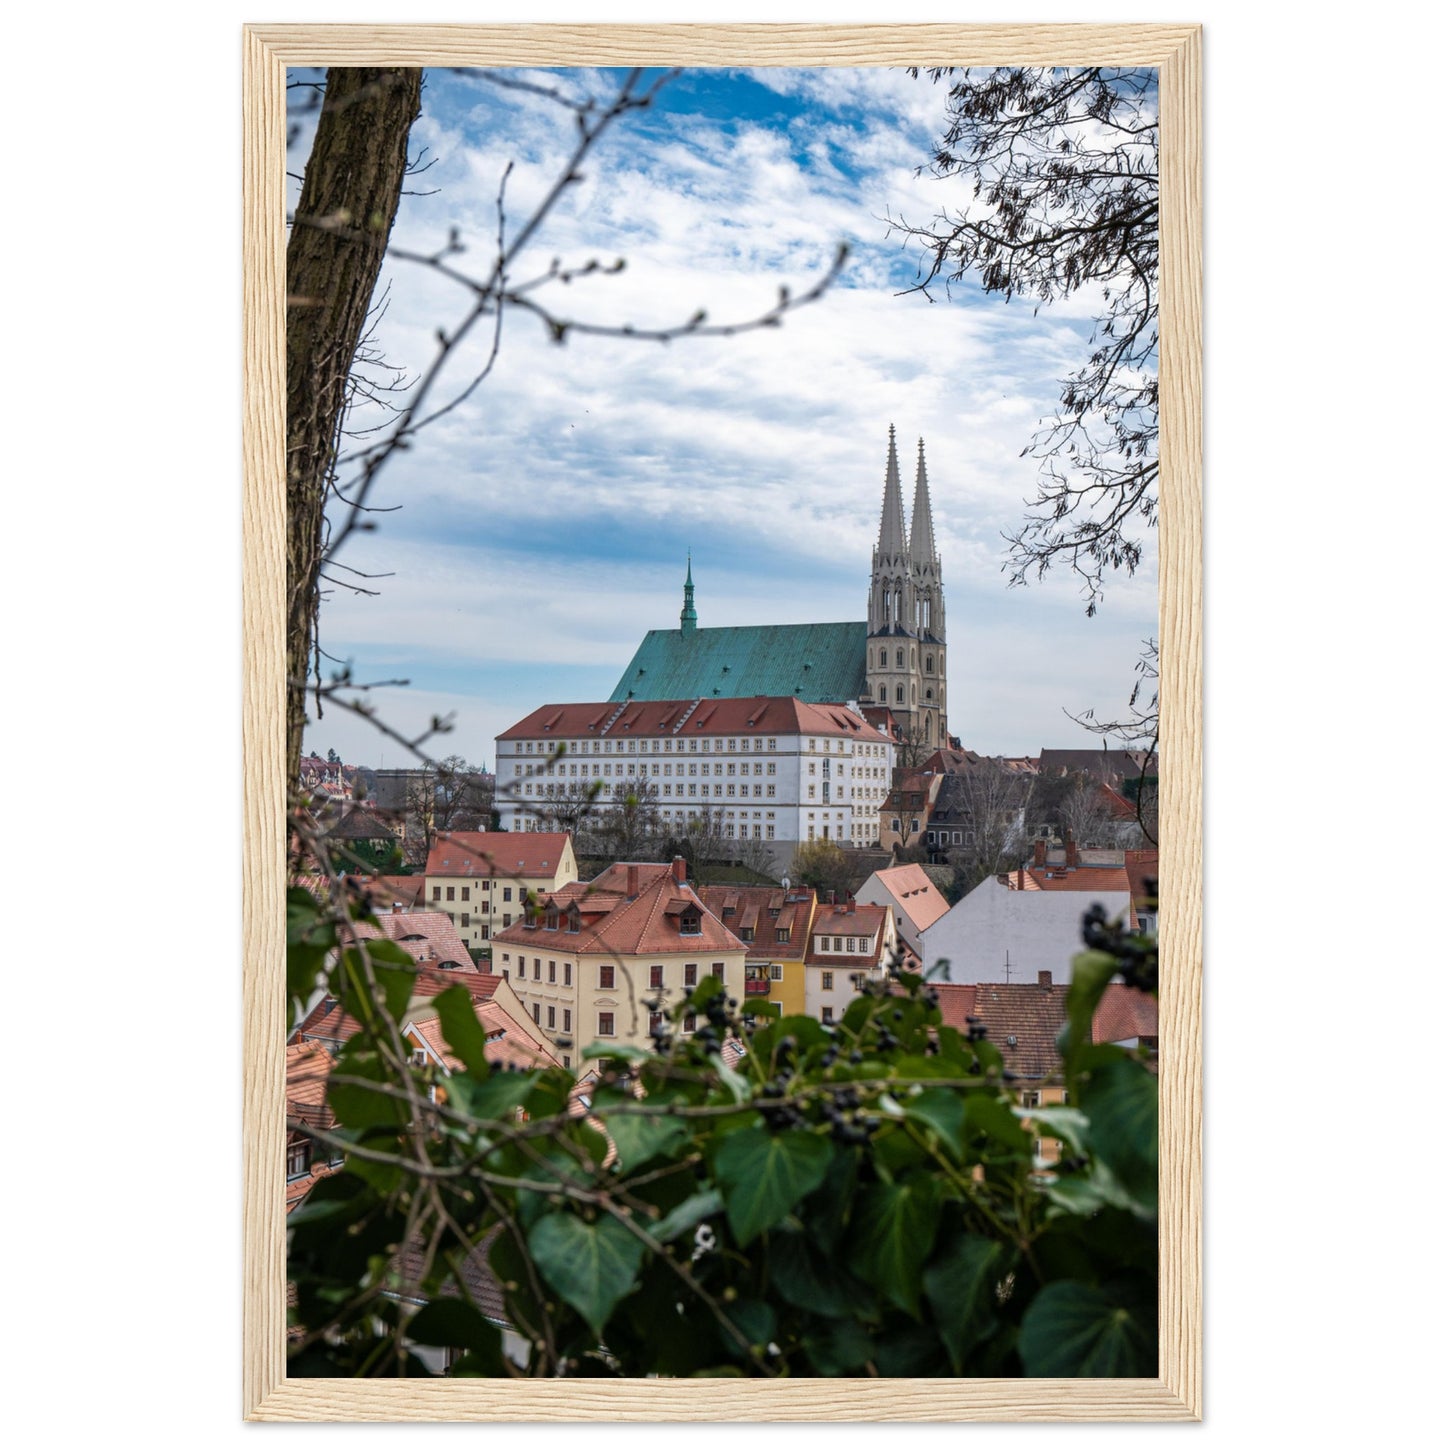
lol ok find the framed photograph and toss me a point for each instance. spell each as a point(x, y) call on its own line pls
point(592, 373)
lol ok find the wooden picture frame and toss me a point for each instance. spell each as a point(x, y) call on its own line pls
point(1177, 1393)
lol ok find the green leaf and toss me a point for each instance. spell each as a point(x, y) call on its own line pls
point(764, 1175)
point(1075, 1329)
point(687, 1216)
point(986, 1115)
point(459, 1325)
point(840, 1349)
point(462, 1029)
point(961, 1286)
point(640, 1137)
point(1091, 974)
point(806, 1280)
point(1122, 1102)
point(893, 1232)
point(1058, 1121)
point(941, 1112)
point(497, 1096)
point(590, 1265)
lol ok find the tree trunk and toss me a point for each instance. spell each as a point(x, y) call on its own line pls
point(338, 240)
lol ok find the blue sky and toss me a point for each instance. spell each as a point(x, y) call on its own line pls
point(544, 525)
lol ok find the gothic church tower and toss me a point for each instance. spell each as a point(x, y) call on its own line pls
point(906, 667)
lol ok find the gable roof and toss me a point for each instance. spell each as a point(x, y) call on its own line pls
point(428, 937)
point(687, 716)
point(767, 911)
point(1060, 879)
point(812, 661)
point(913, 891)
point(615, 924)
point(496, 855)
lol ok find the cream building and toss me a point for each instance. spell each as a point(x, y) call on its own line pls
point(480, 880)
point(851, 942)
point(593, 963)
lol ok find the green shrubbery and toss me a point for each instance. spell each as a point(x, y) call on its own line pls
point(863, 1199)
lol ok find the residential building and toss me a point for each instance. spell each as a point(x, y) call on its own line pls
point(1020, 923)
point(308, 1068)
point(903, 818)
point(910, 893)
point(851, 943)
point(1024, 1021)
point(481, 880)
point(776, 926)
point(770, 770)
point(606, 961)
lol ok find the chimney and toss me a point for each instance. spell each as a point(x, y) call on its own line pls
point(852, 905)
point(1039, 849)
point(632, 880)
point(679, 868)
point(396, 905)
point(1046, 978)
point(1071, 851)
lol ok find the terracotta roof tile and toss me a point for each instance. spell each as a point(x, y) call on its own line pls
point(496, 855)
point(913, 891)
point(753, 906)
point(688, 717)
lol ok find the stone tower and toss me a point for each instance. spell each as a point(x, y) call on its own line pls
point(906, 666)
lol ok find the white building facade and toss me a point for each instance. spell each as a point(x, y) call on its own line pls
point(769, 770)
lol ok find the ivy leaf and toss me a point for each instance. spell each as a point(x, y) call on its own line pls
point(892, 1235)
point(764, 1175)
point(455, 1323)
point(1091, 974)
point(640, 1137)
point(462, 1030)
point(687, 1216)
point(1074, 1329)
point(940, 1111)
point(961, 1290)
point(590, 1265)
point(1122, 1102)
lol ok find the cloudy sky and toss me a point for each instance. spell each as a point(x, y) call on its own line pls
point(544, 525)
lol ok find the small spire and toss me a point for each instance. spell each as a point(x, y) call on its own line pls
point(891, 537)
point(688, 617)
point(922, 550)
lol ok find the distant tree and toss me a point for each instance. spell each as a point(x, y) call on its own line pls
point(630, 828)
point(823, 865)
point(332, 756)
point(993, 801)
point(1064, 171)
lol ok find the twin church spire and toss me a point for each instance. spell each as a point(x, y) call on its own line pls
point(917, 542)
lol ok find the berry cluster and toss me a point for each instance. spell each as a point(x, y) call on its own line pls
point(1137, 954)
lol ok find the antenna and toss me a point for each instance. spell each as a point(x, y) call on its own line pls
point(1007, 967)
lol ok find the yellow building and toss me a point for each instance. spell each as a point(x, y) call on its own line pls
point(775, 925)
point(482, 879)
point(608, 960)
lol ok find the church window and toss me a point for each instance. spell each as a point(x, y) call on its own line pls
point(900, 657)
point(928, 695)
point(899, 693)
point(928, 663)
point(915, 692)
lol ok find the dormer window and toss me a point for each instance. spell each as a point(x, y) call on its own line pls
point(746, 934)
point(690, 922)
point(298, 1160)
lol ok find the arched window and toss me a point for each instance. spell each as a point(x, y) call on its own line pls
point(915, 692)
point(928, 664)
point(900, 693)
point(929, 695)
point(900, 657)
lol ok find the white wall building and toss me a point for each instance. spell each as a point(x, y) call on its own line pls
point(767, 769)
point(850, 942)
point(1009, 929)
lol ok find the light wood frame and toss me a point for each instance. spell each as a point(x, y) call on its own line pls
point(1177, 1393)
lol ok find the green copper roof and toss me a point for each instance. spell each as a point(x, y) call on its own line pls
point(812, 661)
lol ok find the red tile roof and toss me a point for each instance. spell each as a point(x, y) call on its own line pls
point(1125, 1013)
point(496, 855)
point(754, 906)
point(861, 920)
point(914, 893)
point(688, 717)
point(428, 937)
point(1034, 1014)
point(1059, 879)
point(612, 923)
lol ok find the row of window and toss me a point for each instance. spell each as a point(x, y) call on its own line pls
point(606, 972)
point(436, 893)
point(828, 943)
point(693, 745)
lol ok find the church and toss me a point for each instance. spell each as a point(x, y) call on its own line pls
point(895, 659)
